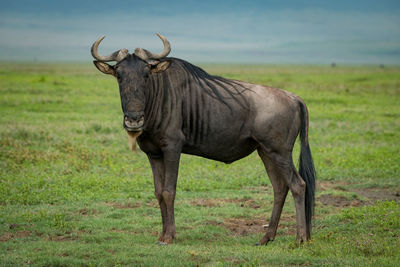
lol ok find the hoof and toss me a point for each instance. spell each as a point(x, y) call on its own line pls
point(301, 241)
point(160, 243)
point(264, 241)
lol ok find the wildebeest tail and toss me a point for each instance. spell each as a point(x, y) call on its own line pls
point(306, 168)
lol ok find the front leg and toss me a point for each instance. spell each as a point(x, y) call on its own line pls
point(171, 164)
point(157, 166)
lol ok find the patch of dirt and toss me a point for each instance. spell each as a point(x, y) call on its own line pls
point(154, 233)
point(336, 185)
point(8, 236)
point(20, 234)
point(5, 237)
point(339, 201)
point(67, 236)
point(369, 195)
point(242, 226)
point(218, 202)
point(152, 203)
point(378, 194)
point(85, 212)
point(114, 230)
point(119, 205)
point(61, 238)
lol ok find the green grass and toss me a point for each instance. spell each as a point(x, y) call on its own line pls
point(73, 194)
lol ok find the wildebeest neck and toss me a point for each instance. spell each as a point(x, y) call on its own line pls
point(185, 96)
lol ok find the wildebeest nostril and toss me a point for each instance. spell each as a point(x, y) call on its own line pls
point(134, 116)
point(126, 120)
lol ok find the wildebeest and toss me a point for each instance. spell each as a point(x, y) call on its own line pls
point(171, 107)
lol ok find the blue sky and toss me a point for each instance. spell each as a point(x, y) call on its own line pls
point(353, 32)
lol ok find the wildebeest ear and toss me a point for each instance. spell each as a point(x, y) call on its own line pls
point(163, 65)
point(104, 67)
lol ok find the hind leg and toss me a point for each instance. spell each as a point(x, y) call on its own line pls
point(283, 169)
point(280, 193)
point(298, 188)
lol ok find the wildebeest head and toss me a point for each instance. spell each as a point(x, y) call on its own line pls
point(132, 72)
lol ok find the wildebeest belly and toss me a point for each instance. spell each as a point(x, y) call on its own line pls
point(223, 150)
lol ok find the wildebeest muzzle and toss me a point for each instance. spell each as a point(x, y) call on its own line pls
point(133, 121)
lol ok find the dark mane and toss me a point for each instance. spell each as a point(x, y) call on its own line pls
point(215, 86)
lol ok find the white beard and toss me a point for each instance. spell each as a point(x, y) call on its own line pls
point(132, 136)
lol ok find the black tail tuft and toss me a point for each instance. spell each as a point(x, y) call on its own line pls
point(306, 168)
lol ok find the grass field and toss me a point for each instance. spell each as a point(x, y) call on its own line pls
point(73, 194)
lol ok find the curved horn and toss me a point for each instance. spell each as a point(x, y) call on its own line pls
point(116, 56)
point(146, 55)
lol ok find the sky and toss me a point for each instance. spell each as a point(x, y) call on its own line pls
point(263, 32)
